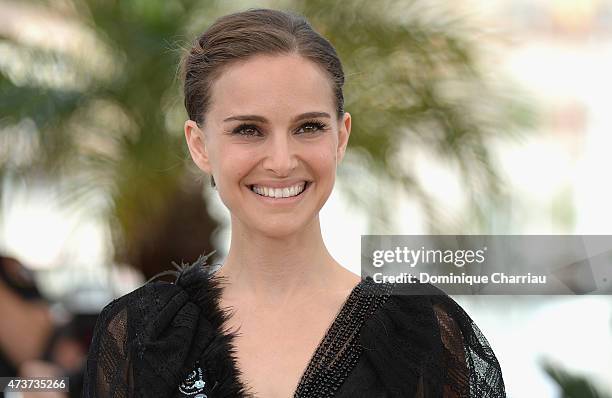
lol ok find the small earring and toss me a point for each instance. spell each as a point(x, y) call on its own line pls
point(212, 182)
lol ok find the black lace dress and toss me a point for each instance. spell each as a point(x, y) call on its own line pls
point(168, 340)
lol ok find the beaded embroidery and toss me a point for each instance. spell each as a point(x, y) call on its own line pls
point(340, 350)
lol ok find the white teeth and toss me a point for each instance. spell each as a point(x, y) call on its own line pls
point(279, 192)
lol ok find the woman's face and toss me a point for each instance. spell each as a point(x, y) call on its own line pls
point(272, 141)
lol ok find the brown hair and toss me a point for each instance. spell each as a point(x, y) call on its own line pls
point(238, 36)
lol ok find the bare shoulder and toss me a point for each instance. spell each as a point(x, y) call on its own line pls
point(347, 279)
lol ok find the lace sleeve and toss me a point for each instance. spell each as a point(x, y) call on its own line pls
point(470, 366)
point(420, 343)
point(108, 372)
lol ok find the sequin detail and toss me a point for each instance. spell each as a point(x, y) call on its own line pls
point(193, 385)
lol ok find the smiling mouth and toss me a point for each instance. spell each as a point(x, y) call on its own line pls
point(306, 185)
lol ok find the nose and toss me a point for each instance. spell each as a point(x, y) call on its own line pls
point(280, 155)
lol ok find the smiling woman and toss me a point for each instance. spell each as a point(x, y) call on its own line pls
point(280, 317)
point(271, 135)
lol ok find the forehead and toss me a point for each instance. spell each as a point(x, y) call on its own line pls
point(267, 84)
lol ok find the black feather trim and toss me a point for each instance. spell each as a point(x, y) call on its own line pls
point(217, 353)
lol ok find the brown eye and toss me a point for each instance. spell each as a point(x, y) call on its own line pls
point(312, 127)
point(246, 130)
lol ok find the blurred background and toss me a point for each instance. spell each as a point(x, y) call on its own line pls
point(469, 117)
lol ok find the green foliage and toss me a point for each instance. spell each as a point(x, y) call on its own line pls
point(572, 386)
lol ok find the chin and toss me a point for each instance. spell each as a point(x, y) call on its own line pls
point(279, 230)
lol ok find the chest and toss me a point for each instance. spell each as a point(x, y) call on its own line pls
point(272, 352)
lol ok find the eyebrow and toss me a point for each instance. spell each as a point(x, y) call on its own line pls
point(262, 119)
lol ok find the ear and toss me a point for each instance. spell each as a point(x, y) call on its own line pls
point(344, 131)
point(196, 141)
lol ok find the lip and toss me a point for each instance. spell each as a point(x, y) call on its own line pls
point(281, 201)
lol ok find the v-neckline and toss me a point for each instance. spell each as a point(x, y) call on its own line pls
point(304, 377)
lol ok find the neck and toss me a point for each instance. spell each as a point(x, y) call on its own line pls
point(276, 271)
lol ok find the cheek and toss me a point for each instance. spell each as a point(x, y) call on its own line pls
point(233, 165)
point(231, 170)
point(323, 161)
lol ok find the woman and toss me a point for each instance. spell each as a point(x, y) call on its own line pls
point(281, 317)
